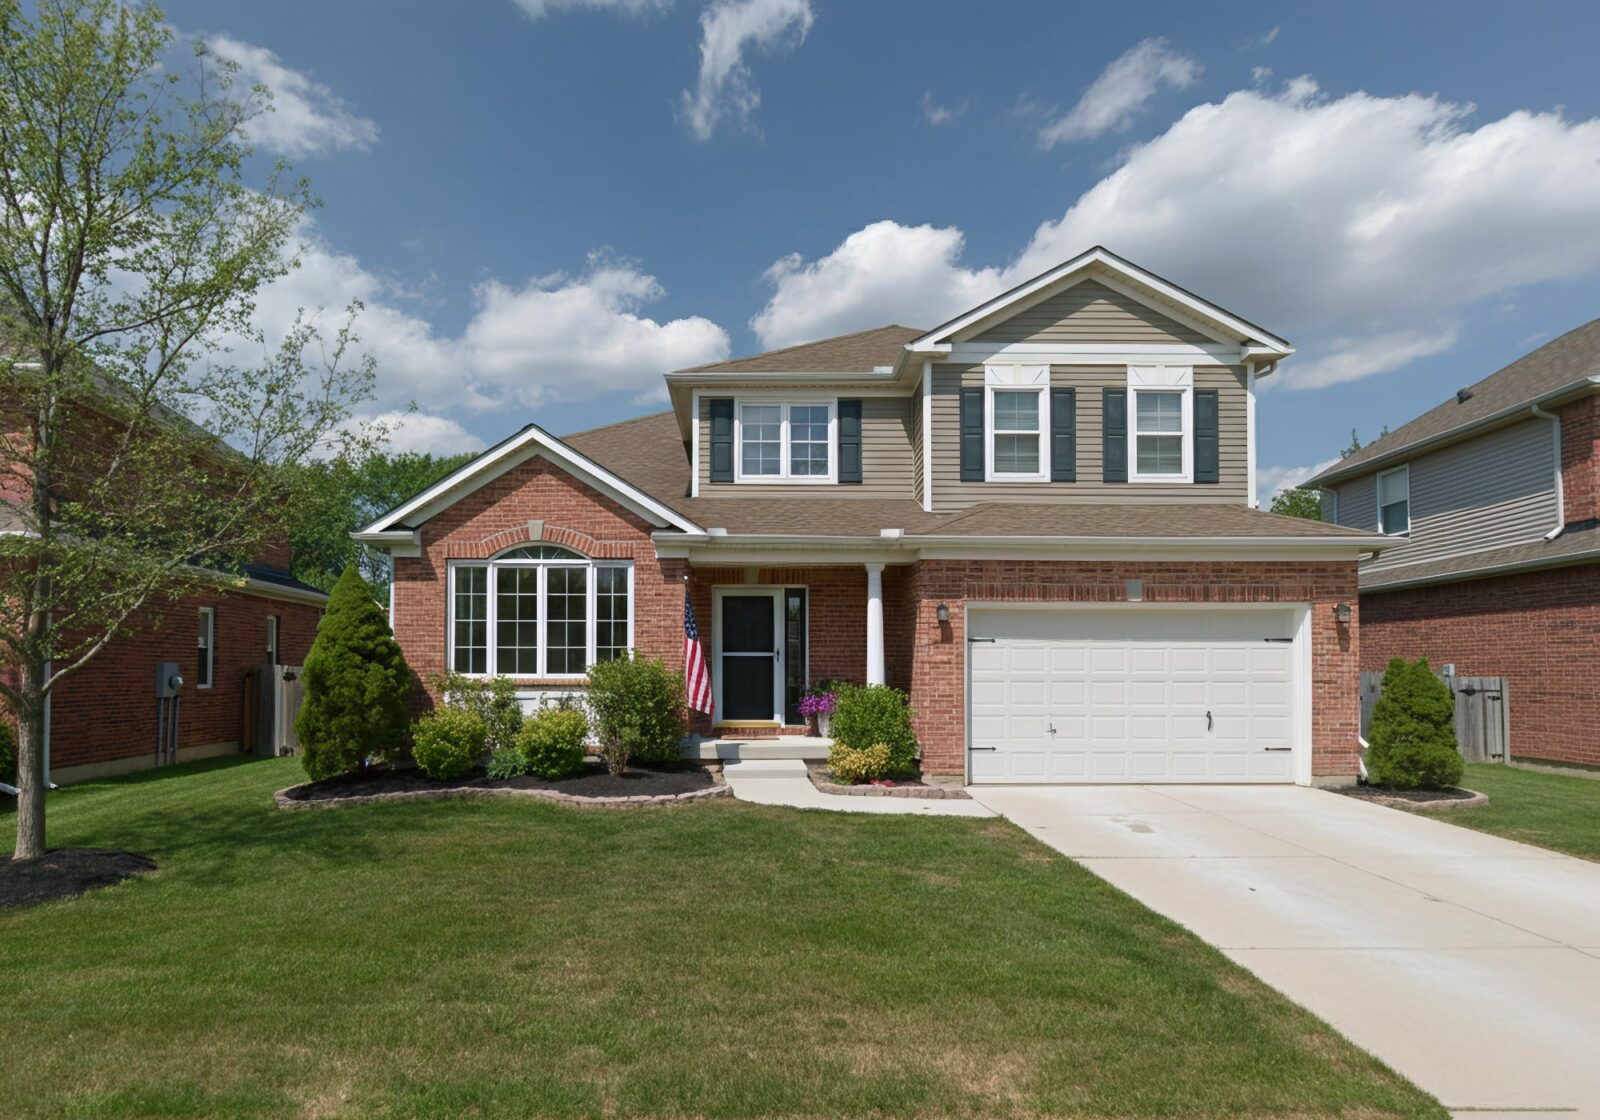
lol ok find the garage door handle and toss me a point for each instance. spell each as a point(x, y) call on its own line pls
point(975, 641)
point(1208, 721)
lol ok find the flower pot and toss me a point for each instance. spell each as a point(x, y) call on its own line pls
point(822, 724)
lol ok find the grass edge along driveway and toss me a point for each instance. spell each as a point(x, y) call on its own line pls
point(518, 958)
point(1556, 811)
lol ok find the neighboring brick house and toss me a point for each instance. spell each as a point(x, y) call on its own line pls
point(1037, 519)
point(1493, 502)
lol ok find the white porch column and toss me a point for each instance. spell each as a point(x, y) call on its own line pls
point(875, 673)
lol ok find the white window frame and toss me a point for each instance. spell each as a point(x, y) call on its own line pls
point(272, 639)
point(785, 402)
point(1178, 380)
point(1404, 470)
point(491, 611)
point(1016, 379)
point(206, 639)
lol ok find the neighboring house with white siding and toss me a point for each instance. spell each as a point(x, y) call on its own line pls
point(1492, 500)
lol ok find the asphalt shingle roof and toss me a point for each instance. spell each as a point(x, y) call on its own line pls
point(861, 352)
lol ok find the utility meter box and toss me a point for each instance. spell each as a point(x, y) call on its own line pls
point(169, 681)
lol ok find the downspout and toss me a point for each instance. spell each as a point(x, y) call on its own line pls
point(1561, 495)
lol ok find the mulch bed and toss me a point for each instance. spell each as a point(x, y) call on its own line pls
point(66, 873)
point(908, 786)
point(595, 785)
point(1451, 798)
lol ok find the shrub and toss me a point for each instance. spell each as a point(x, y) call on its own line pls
point(637, 704)
point(874, 714)
point(8, 752)
point(447, 743)
point(507, 762)
point(553, 741)
point(852, 767)
point(356, 683)
point(491, 699)
point(1413, 736)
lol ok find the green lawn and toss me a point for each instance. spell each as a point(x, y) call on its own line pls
point(514, 958)
point(1536, 807)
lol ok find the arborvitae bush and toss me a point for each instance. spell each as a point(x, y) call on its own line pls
point(1413, 735)
point(356, 683)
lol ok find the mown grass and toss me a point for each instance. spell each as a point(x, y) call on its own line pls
point(1537, 807)
point(515, 958)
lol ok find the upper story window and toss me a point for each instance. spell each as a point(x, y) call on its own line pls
point(1162, 435)
point(538, 611)
point(1016, 433)
point(780, 441)
point(1394, 501)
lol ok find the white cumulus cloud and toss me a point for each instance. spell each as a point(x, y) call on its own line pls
point(1115, 98)
point(306, 118)
point(1363, 228)
point(538, 9)
point(423, 433)
point(939, 115)
point(728, 30)
point(1271, 481)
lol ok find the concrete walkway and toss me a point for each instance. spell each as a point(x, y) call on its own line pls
point(784, 782)
point(1469, 963)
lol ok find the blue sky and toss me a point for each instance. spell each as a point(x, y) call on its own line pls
point(546, 203)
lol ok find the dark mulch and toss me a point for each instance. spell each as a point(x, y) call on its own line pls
point(66, 873)
point(595, 781)
point(1418, 796)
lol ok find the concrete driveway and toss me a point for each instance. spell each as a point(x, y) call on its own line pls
point(1469, 963)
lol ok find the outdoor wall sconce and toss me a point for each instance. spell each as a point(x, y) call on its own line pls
point(942, 612)
point(1341, 614)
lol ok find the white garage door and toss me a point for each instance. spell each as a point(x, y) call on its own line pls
point(1131, 695)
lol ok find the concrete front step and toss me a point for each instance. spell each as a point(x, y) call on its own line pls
point(765, 769)
point(733, 750)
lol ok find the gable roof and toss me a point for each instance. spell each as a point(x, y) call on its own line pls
point(1103, 261)
point(860, 352)
point(1569, 365)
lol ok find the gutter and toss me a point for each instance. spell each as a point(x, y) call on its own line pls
point(1335, 474)
point(897, 540)
point(1561, 493)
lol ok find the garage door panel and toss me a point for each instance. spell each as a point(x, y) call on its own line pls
point(1108, 696)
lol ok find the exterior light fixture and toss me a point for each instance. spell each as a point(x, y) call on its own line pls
point(1341, 614)
point(942, 612)
point(1134, 590)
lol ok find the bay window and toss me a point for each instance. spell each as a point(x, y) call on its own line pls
point(778, 441)
point(549, 611)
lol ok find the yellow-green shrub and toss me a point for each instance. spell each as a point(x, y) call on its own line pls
point(852, 767)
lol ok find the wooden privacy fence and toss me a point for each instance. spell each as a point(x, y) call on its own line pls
point(1483, 714)
point(273, 695)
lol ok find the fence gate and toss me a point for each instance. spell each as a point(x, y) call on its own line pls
point(277, 697)
point(1483, 714)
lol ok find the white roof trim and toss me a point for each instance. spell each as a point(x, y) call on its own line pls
point(531, 441)
point(1110, 261)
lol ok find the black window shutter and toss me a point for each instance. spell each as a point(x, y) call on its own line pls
point(1206, 436)
point(1114, 435)
point(849, 441)
point(721, 439)
point(1063, 435)
point(972, 435)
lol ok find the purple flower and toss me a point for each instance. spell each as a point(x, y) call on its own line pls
point(818, 703)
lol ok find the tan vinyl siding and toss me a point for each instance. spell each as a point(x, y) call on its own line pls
point(949, 492)
point(1484, 493)
point(917, 464)
point(1090, 312)
point(886, 454)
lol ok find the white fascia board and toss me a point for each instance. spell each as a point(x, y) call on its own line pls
point(755, 377)
point(396, 542)
point(532, 440)
point(1105, 259)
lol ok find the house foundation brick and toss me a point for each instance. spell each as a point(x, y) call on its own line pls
point(1539, 630)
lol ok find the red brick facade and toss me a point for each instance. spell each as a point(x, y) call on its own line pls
point(537, 501)
point(1580, 459)
point(103, 717)
point(1540, 630)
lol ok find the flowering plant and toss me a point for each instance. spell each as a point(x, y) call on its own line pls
point(818, 703)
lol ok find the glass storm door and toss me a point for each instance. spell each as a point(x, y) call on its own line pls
point(750, 657)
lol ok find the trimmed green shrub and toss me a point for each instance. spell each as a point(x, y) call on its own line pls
point(447, 743)
point(507, 762)
point(637, 705)
point(873, 714)
point(8, 752)
point(1413, 734)
point(491, 699)
point(356, 683)
point(852, 767)
point(553, 740)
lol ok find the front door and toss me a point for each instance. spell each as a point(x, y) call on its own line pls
point(750, 656)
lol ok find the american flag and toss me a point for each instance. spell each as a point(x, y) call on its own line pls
point(694, 661)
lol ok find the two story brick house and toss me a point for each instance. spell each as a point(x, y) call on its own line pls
point(1036, 518)
point(1492, 503)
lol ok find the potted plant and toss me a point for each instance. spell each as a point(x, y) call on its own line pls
point(817, 705)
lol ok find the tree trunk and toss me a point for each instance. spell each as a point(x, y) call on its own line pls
point(30, 764)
